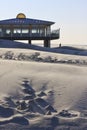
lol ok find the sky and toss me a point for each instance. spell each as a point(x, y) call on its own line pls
point(69, 15)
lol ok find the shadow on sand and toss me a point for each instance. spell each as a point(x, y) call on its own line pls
point(69, 50)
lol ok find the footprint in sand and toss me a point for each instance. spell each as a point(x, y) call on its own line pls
point(15, 119)
point(27, 88)
point(42, 94)
point(34, 107)
point(33, 102)
point(6, 112)
point(69, 114)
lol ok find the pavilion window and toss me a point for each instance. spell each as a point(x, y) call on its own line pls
point(8, 31)
point(25, 31)
point(0, 30)
point(42, 31)
point(34, 31)
point(17, 31)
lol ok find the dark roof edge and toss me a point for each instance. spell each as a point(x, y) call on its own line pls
point(27, 20)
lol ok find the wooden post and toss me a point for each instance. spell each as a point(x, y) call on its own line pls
point(47, 43)
point(29, 42)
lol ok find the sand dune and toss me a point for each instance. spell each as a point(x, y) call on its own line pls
point(42, 93)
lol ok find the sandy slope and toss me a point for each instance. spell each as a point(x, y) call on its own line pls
point(62, 79)
point(64, 85)
point(42, 95)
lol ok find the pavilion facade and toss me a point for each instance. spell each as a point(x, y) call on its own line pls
point(22, 28)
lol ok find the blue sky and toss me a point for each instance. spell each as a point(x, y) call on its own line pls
point(70, 16)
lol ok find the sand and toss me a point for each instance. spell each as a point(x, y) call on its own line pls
point(42, 90)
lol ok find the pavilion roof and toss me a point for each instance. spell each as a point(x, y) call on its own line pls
point(25, 21)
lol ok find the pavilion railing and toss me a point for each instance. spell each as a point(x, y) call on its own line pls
point(55, 33)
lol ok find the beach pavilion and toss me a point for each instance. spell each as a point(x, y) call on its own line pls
point(22, 28)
